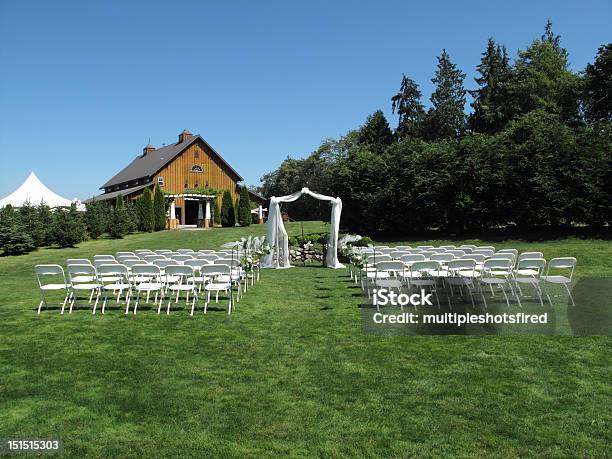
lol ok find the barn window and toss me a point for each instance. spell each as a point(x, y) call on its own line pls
point(160, 181)
point(196, 154)
point(196, 168)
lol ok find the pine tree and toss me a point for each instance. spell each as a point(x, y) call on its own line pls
point(68, 227)
point(543, 81)
point(119, 224)
point(147, 217)
point(28, 217)
point(14, 239)
point(407, 104)
point(598, 86)
point(45, 221)
point(244, 207)
point(96, 218)
point(159, 209)
point(376, 133)
point(446, 117)
point(491, 112)
point(216, 212)
point(228, 214)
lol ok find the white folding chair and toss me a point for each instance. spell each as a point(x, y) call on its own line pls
point(146, 278)
point(514, 251)
point(220, 281)
point(124, 254)
point(424, 247)
point(180, 278)
point(84, 278)
point(423, 274)
point(389, 274)
point(559, 275)
point(104, 258)
point(530, 255)
point(462, 273)
point(497, 273)
point(56, 283)
point(185, 251)
point(486, 252)
point(529, 272)
point(115, 278)
point(152, 258)
point(237, 273)
point(197, 264)
point(504, 256)
point(162, 251)
point(396, 254)
point(181, 258)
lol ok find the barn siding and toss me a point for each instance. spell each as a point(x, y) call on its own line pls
point(215, 174)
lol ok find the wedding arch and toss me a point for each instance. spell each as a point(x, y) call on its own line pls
point(277, 235)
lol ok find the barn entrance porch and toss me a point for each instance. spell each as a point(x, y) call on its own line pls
point(196, 210)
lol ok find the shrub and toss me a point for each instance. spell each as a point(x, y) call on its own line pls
point(217, 212)
point(159, 209)
point(44, 219)
point(14, 239)
point(119, 222)
point(145, 212)
point(244, 207)
point(96, 218)
point(228, 213)
point(68, 227)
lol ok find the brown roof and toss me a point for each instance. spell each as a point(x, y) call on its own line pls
point(149, 164)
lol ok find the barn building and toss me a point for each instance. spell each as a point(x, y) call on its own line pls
point(182, 170)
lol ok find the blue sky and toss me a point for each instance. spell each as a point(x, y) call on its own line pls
point(84, 85)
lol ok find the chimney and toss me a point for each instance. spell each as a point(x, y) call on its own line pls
point(148, 149)
point(184, 135)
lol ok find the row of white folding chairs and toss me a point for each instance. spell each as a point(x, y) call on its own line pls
point(182, 255)
point(142, 278)
point(243, 275)
point(495, 273)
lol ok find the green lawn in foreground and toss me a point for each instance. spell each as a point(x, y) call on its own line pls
point(291, 372)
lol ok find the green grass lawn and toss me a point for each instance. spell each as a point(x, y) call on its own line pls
point(291, 372)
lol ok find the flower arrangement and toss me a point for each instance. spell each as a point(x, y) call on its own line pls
point(252, 249)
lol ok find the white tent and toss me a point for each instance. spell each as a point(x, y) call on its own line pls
point(34, 192)
point(279, 241)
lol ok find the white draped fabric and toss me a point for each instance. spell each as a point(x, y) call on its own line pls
point(277, 236)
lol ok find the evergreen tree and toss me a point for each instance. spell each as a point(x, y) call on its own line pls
point(68, 227)
point(147, 222)
point(407, 104)
point(228, 214)
point(446, 117)
point(28, 217)
point(598, 86)
point(132, 218)
point(44, 219)
point(159, 209)
point(491, 112)
point(216, 212)
point(136, 220)
point(376, 133)
point(543, 81)
point(14, 239)
point(244, 207)
point(119, 224)
point(96, 219)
